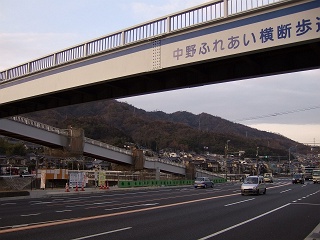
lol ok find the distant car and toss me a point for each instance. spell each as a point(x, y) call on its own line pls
point(268, 177)
point(253, 185)
point(298, 178)
point(203, 182)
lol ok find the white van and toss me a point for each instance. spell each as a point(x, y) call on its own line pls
point(253, 185)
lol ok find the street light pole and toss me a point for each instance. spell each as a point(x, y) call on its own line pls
point(225, 157)
point(290, 157)
point(257, 156)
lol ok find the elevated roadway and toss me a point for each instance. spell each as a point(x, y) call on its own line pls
point(45, 135)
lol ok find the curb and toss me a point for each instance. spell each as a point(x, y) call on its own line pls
point(315, 234)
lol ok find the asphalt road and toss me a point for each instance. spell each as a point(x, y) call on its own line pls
point(287, 211)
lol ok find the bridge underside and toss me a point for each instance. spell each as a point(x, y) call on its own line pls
point(29, 139)
point(271, 62)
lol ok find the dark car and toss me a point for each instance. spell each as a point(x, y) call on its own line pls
point(298, 178)
point(203, 182)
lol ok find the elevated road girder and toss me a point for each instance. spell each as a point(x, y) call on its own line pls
point(42, 134)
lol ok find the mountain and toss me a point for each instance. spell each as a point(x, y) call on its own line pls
point(118, 123)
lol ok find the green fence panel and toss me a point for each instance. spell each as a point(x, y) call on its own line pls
point(121, 184)
point(150, 183)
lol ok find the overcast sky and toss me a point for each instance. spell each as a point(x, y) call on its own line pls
point(286, 104)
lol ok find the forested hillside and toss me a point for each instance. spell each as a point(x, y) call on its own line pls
point(117, 123)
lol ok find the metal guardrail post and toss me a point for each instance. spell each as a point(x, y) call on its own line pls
point(225, 3)
point(168, 24)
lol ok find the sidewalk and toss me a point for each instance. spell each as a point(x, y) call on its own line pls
point(44, 193)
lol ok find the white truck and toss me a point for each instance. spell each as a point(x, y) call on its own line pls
point(316, 175)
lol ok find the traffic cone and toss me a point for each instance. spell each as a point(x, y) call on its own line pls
point(107, 185)
point(67, 188)
point(76, 188)
point(82, 187)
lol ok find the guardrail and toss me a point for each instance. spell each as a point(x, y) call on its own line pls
point(150, 159)
point(107, 146)
point(39, 125)
point(194, 16)
point(210, 173)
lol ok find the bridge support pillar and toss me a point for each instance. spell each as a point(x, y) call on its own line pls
point(75, 141)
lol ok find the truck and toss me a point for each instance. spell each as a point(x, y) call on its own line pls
point(316, 175)
point(308, 173)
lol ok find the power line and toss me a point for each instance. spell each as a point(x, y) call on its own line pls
point(277, 114)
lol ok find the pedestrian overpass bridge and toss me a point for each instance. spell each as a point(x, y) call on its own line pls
point(26, 129)
point(220, 41)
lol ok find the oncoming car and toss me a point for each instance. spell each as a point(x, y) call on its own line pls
point(268, 177)
point(253, 185)
point(203, 182)
point(298, 178)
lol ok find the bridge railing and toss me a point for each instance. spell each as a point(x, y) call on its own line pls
point(107, 146)
point(128, 152)
point(200, 14)
point(155, 159)
point(204, 172)
point(197, 15)
point(39, 125)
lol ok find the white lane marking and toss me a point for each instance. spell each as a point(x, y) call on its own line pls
point(103, 233)
point(88, 204)
point(58, 199)
point(239, 224)
point(309, 204)
point(3, 204)
point(140, 205)
point(286, 190)
point(30, 224)
point(38, 203)
point(21, 225)
point(239, 202)
point(31, 214)
point(67, 210)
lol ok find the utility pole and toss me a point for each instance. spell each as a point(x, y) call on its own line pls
point(257, 156)
point(225, 157)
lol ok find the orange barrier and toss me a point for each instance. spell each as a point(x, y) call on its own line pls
point(67, 188)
